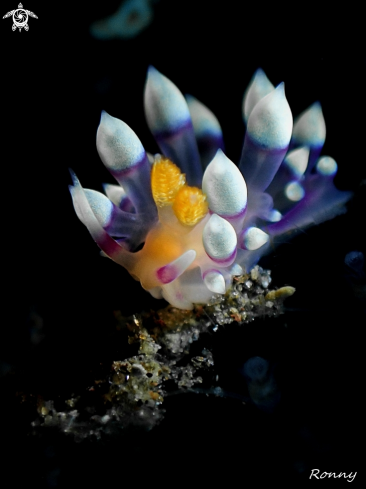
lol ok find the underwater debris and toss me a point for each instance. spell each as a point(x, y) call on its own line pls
point(132, 17)
point(133, 392)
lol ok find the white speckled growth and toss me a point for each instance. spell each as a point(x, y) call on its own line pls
point(203, 120)
point(294, 191)
point(274, 216)
point(309, 126)
point(165, 106)
point(214, 281)
point(270, 122)
point(100, 205)
point(219, 238)
point(224, 187)
point(258, 88)
point(118, 146)
point(115, 193)
point(297, 161)
point(254, 238)
point(326, 166)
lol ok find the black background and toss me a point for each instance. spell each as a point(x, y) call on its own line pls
point(55, 81)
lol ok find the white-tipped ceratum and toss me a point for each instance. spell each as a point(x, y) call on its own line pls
point(185, 221)
point(258, 88)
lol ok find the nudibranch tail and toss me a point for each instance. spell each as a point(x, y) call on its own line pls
point(321, 201)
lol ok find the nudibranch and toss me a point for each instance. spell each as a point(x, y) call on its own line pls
point(185, 221)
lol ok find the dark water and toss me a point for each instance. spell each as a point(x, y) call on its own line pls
point(60, 295)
